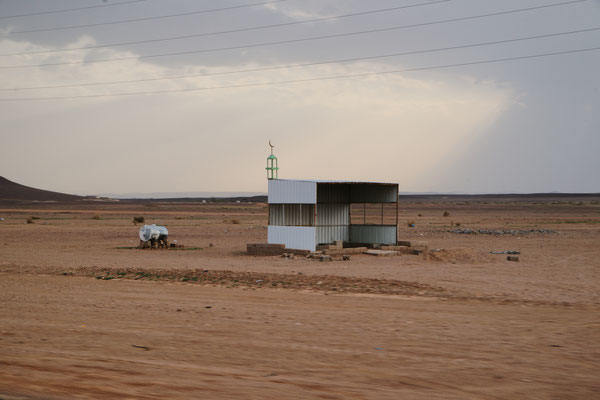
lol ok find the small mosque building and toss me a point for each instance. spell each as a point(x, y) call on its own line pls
point(304, 214)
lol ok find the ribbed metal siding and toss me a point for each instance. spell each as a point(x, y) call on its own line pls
point(333, 193)
point(281, 191)
point(294, 237)
point(276, 214)
point(373, 234)
point(333, 214)
point(332, 222)
point(291, 214)
point(329, 234)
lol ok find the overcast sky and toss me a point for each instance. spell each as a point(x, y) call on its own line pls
point(524, 125)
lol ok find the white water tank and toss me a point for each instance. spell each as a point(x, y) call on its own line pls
point(152, 232)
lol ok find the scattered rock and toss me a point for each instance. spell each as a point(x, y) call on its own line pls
point(467, 231)
point(382, 253)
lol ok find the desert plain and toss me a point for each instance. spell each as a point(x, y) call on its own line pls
point(83, 314)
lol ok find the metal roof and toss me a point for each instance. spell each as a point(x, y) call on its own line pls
point(340, 182)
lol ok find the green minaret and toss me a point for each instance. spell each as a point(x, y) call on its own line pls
point(272, 167)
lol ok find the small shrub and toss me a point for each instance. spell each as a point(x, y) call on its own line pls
point(446, 214)
point(35, 217)
point(457, 223)
point(29, 220)
point(235, 221)
point(138, 220)
point(96, 216)
point(420, 215)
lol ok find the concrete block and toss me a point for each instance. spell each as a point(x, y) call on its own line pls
point(334, 252)
point(382, 253)
point(264, 249)
point(266, 245)
point(403, 249)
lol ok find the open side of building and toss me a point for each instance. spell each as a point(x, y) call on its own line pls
point(304, 214)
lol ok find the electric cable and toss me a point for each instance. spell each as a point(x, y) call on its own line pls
point(359, 75)
point(227, 31)
point(291, 40)
point(143, 19)
point(338, 61)
point(70, 9)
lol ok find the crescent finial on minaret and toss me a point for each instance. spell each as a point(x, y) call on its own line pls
point(272, 167)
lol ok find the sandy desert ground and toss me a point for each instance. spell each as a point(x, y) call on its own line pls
point(83, 315)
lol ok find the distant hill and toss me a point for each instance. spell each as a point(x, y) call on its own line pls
point(181, 195)
point(11, 191)
point(242, 199)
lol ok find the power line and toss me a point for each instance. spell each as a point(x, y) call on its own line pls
point(144, 19)
point(229, 31)
point(338, 61)
point(70, 9)
point(245, 85)
point(293, 40)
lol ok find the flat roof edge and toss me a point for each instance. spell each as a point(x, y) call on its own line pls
point(338, 182)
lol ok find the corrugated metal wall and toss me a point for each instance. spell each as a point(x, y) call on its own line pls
point(294, 237)
point(307, 192)
point(333, 214)
point(373, 234)
point(332, 222)
point(282, 191)
point(333, 193)
point(291, 214)
point(329, 234)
